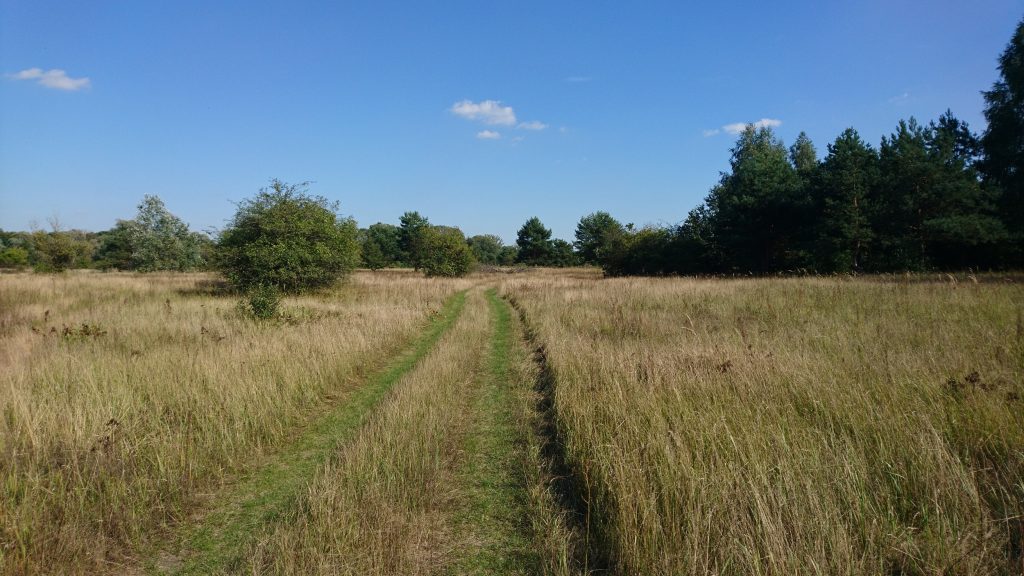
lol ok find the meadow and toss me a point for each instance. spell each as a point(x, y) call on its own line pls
point(545, 421)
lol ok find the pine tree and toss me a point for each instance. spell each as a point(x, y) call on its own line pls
point(1003, 141)
point(757, 206)
point(848, 175)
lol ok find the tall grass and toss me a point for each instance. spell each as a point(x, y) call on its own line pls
point(126, 400)
point(781, 426)
point(383, 505)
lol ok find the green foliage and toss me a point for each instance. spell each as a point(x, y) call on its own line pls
point(58, 251)
point(154, 240)
point(758, 206)
point(13, 257)
point(592, 234)
point(562, 254)
point(849, 176)
point(381, 246)
point(508, 256)
point(639, 252)
point(445, 252)
point(412, 227)
point(285, 238)
point(534, 243)
point(487, 249)
point(160, 240)
point(1003, 141)
point(262, 302)
point(115, 247)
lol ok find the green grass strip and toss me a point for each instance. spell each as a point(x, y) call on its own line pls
point(497, 517)
point(215, 545)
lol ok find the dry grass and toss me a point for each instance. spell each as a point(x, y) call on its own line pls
point(382, 506)
point(127, 399)
point(791, 426)
point(760, 426)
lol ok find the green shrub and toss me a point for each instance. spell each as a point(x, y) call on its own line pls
point(445, 252)
point(262, 302)
point(287, 239)
point(13, 257)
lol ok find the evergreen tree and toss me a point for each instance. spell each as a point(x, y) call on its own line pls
point(904, 200)
point(849, 174)
point(411, 236)
point(534, 243)
point(757, 207)
point(1003, 141)
point(962, 228)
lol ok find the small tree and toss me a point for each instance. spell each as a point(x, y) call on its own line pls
point(534, 242)
point(381, 245)
point(412, 228)
point(445, 252)
point(486, 248)
point(160, 240)
point(562, 254)
point(593, 232)
point(287, 239)
point(59, 250)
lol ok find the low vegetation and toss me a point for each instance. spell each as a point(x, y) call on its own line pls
point(830, 426)
point(129, 399)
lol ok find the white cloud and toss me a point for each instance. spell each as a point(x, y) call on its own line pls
point(739, 127)
point(56, 79)
point(488, 135)
point(488, 111)
point(709, 133)
point(901, 99)
point(532, 125)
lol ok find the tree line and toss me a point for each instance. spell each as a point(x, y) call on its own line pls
point(928, 197)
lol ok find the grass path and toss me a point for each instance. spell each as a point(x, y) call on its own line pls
point(495, 524)
point(214, 546)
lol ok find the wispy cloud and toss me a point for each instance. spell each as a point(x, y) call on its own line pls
point(578, 79)
point(488, 135)
point(56, 79)
point(488, 111)
point(900, 99)
point(738, 127)
point(532, 125)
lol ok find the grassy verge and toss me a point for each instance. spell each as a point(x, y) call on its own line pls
point(268, 493)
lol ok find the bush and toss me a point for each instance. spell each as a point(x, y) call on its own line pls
point(445, 252)
point(287, 239)
point(58, 251)
point(13, 257)
point(262, 302)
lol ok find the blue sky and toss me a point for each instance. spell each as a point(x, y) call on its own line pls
point(476, 114)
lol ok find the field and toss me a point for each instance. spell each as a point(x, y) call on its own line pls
point(543, 422)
